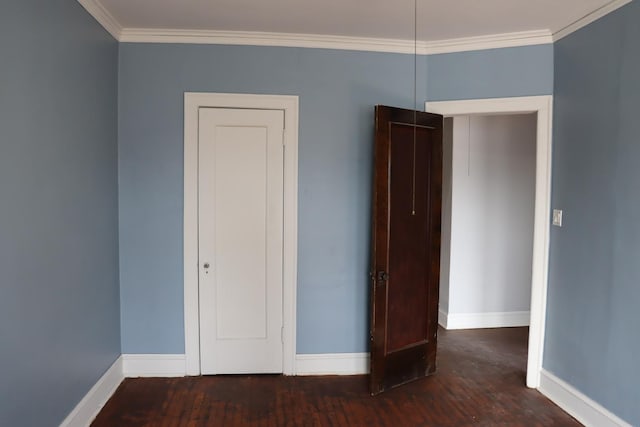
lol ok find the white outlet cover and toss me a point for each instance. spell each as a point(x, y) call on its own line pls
point(557, 217)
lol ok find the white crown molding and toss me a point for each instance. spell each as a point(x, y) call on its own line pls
point(494, 41)
point(588, 19)
point(103, 16)
point(145, 35)
point(579, 406)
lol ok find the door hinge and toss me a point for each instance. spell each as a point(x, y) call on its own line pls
point(282, 334)
point(382, 276)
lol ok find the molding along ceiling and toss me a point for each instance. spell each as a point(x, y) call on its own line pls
point(336, 42)
point(103, 16)
point(588, 19)
point(452, 32)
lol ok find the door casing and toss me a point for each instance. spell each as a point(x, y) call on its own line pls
point(543, 107)
point(192, 103)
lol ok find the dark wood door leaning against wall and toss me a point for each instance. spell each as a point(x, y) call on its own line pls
point(405, 267)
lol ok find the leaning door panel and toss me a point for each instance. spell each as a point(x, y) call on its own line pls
point(406, 246)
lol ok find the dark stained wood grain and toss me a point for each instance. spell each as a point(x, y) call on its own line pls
point(408, 237)
point(480, 382)
point(405, 265)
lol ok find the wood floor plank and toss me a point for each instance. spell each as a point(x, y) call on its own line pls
point(480, 382)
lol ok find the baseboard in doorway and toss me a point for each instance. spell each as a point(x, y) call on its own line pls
point(508, 319)
point(576, 404)
point(153, 365)
point(96, 398)
point(332, 364)
point(442, 318)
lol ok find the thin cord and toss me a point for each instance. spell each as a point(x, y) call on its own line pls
point(469, 148)
point(415, 59)
point(415, 101)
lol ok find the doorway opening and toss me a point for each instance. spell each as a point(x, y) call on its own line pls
point(488, 214)
point(540, 110)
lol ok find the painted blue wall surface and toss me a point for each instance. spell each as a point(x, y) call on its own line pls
point(492, 73)
point(592, 340)
point(59, 295)
point(338, 90)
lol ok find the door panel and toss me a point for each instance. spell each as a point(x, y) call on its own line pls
point(240, 232)
point(408, 232)
point(240, 240)
point(406, 246)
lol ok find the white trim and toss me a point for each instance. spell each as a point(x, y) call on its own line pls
point(289, 104)
point(543, 106)
point(588, 19)
point(150, 35)
point(332, 364)
point(442, 318)
point(506, 319)
point(256, 38)
point(492, 41)
point(153, 365)
point(96, 398)
point(579, 406)
point(103, 16)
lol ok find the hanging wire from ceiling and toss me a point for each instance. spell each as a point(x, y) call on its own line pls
point(415, 102)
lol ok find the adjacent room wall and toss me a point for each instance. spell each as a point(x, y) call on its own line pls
point(492, 209)
point(594, 279)
point(59, 309)
point(337, 90)
point(445, 250)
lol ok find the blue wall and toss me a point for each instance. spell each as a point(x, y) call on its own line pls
point(337, 90)
point(59, 315)
point(59, 113)
point(592, 340)
point(493, 73)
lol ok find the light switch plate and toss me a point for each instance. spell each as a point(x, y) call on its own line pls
point(557, 217)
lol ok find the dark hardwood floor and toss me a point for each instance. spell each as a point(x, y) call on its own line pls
point(480, 381)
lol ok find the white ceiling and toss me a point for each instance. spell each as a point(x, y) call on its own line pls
point(388, 19)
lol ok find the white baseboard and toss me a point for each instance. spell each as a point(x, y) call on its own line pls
point(506, 319)
point(442, 318)
point(173, 365)
point(95, 399)
point(153, 365)
point(332, 364)
point(581, 407)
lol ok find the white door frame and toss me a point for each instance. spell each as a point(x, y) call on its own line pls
point(192, 103)
point(543, 107)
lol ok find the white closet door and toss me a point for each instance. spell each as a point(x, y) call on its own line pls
point(240, 240)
